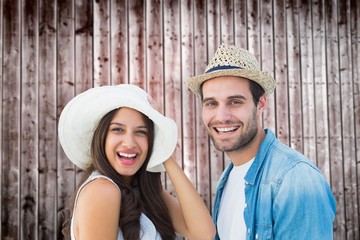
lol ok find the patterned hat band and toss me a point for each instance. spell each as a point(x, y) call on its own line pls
point(230, 60)
point(219, 68)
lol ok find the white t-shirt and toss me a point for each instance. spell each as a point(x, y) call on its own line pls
point(230, 222)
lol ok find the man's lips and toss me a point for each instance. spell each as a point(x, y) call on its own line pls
point(225, 129)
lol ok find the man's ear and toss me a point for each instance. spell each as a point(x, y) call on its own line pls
point(262, 103)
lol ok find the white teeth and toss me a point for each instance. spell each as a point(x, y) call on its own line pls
point(227, 129)
point(127, 155)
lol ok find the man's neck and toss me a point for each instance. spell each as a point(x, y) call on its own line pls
point(244, 155)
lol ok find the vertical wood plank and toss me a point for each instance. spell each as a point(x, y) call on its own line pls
point(267, 58)
point(295, 114)
point(83, 54)
point(240, 25)
point(154, 56)
point(1, 107)
point(11, 121)
point(307, 80)
point(137, 43)
point(29, 122)
point(202, 153)
point(355, 50)
point(119, 43)
point(47, 120)
point(187, 70)
point(281, 93)
point(253, 27)
point(227, 22)
point(83, 45)
point(65, 92)
point(101, 40)
point(334, 104)
point(347, 119)
point(172, 75)
point(319, 68)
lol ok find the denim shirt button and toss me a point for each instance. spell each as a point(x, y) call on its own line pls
point(256, 236)
point(248, 230)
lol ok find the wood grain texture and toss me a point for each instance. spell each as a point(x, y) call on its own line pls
point(50, 51)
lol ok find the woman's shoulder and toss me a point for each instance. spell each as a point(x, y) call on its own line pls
point(101, 187)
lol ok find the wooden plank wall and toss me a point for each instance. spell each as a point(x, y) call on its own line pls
point(52, 50)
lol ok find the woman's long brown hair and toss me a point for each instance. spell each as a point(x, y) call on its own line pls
point(143, 196)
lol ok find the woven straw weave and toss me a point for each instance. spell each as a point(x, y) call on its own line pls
point(232, 61)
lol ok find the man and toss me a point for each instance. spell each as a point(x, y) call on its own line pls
point(269, 190)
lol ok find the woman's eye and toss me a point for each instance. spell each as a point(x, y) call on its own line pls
point(142, 132)
point(116, 129)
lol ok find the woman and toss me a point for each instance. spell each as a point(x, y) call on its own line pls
point(123, 144)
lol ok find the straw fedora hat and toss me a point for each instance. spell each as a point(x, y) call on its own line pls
point(81, 116)
point(230, 60)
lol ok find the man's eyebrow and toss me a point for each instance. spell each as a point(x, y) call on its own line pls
point(230, 97)
point(208, 99)
point(237, 96)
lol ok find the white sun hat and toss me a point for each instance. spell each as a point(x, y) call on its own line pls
point(81, 116)
point(230, 60)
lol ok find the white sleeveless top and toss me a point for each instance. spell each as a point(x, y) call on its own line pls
point(148, 230)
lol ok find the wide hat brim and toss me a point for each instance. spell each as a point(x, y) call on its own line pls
point(265, 80)
point(81, 116)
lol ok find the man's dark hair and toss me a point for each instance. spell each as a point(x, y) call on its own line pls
point(256, 91)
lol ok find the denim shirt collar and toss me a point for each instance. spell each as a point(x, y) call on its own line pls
point(260, 157)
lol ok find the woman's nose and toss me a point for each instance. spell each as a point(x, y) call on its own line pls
point(128, 141)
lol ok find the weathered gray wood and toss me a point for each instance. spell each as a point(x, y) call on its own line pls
point(187, 70)
point(53, 50)
point(347, 118)
point(84, 57)
point(334, 108)
point(294, 78)
point(319, 69)
point(1, 109)
point(307, 81)
point(101, 45)
point(11, 137)
point(240, 27)
point(172, 72)
point(281, 68)
point(355, 57)
point(137, 43)
point(29, 122)
point(47, 120)
point(66, 172)
point(202, 145)
point(119, 37)
point(267, 58)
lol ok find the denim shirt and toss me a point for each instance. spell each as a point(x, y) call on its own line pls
point(286, 195)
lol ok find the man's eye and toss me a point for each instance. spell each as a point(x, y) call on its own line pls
point(235, 102)
point(210, 104)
